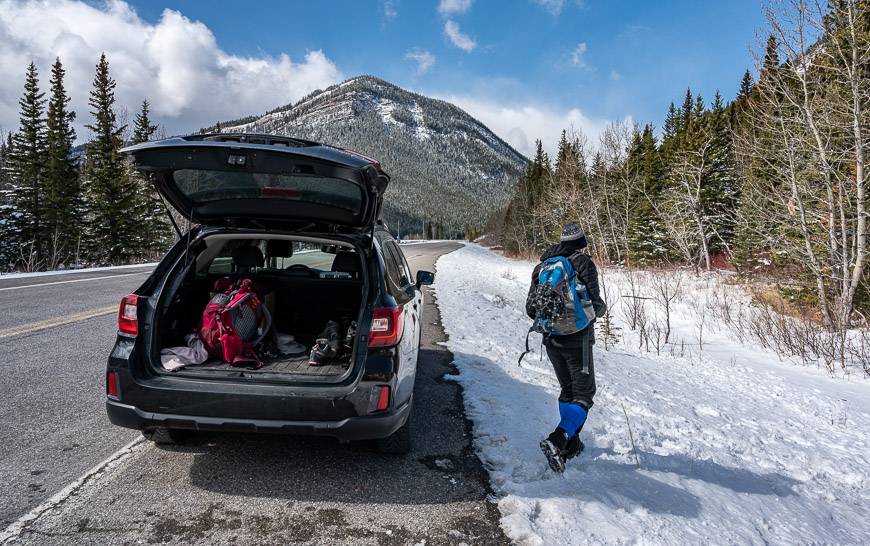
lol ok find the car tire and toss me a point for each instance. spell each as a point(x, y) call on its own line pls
point(167, 436)
point(397, 443)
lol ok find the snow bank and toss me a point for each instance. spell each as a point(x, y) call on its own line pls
point(733, 447)
point(4, 276)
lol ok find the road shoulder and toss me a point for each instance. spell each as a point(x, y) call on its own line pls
point(273, 489)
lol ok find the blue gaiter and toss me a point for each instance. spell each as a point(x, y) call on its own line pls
point(573, 416)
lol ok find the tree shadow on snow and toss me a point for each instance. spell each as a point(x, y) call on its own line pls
point(596, 476)
point(739, 480)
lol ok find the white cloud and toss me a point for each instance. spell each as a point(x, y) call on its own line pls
point(459, 39)
point(390, 11)
point(553, 6)
point(577, 55)
point(615, 76)
point(521, 124)
point(449, 7)
point(176, 63)
point(423, 58)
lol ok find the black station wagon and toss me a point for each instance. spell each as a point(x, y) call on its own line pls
point(302, 221)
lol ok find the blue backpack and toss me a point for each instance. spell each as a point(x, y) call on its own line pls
point(561, 302)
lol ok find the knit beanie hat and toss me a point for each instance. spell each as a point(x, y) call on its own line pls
point(572, 233)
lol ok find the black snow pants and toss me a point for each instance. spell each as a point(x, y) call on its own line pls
point(571, 357)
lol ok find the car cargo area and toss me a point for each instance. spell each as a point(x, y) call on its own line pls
point(312, 289)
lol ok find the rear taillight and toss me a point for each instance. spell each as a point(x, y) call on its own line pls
point(112, 385)
point(387, 326)
point(128, 321)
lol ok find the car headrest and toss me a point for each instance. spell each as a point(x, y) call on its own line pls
point(247, 257)
point(347, 262)
point(279, 248)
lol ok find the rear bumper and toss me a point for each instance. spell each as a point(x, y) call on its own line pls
point(368, 427)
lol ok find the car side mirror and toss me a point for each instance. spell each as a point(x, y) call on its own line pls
point(425, 278)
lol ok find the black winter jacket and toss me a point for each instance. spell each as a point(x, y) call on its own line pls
point(586, 272)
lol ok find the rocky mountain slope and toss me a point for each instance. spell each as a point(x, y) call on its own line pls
point(447, 168)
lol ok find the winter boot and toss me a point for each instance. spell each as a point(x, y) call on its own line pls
point(573, 448)
point(553, 447)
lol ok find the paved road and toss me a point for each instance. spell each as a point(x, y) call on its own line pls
point(54, 426)
point(222, 488)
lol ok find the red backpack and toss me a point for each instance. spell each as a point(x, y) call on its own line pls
point(228, 328)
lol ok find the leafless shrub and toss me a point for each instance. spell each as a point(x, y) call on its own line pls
point(56, 251)
point(801, 340)
point(657, 335)
point(666, 287)
point(28, 260)
point(701, 321)
point(634, 301)
point(609, 331)
point(642, 321)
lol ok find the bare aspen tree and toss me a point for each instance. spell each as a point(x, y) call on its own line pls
point(615, 193)
point(810, 132)
point(689, 171)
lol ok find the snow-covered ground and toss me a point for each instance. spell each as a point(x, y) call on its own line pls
point(733, 446)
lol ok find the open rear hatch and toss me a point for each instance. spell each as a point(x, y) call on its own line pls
point(264, 181)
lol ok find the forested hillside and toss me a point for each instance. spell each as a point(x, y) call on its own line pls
point(62, 206)
point(449, 171)
point(772, 184)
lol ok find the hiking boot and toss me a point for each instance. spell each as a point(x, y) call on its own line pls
point(573, 448)
point(320, 353)
point(553, 447)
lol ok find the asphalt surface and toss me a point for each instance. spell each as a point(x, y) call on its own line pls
point(54, 425)
point(218, 488)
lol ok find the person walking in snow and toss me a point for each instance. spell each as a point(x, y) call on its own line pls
point(568, 338)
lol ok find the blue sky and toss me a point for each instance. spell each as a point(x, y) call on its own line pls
point(526, 67)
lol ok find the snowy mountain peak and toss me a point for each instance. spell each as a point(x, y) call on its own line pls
point(436, 153)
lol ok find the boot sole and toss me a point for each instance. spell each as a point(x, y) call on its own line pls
point(557, 464)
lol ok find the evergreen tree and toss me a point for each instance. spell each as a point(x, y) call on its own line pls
point(522, 230)
point(771, 57)
point(4, 176)
point(62, 191)
point(671, 131)
point(745, 85)
point(685, 117)
point(647, 238)
point(565, 155)
point(720, 190)
point(672, 124)
point(699, 108)
point(540, 171)
point(8, 226)
point(143, 129)
point(155, 231)
point(25, 166)
point(739, 108)
point(113, 228)
point(756, 241)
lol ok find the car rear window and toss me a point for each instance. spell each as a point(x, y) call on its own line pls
point(201, 186)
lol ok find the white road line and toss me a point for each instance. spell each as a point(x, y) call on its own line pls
point(17, 527)
point(74, 280)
